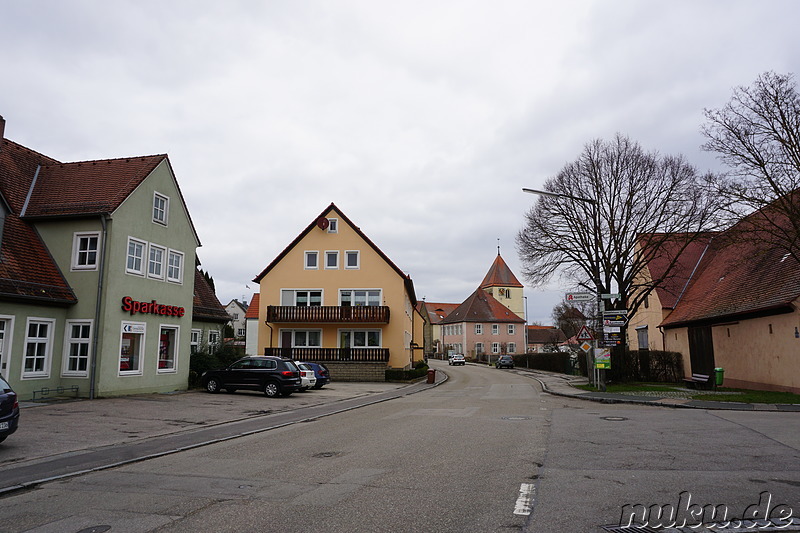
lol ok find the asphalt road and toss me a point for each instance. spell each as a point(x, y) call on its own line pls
point(485, 451)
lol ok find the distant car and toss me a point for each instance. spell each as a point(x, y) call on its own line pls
point(274, 376)
point(456, 359)
point(504, 361)
point(321, 373)
point(9, 410)
point(307, 377)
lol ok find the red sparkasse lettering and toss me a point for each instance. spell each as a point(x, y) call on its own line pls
point(152, 307)
point(126, 304)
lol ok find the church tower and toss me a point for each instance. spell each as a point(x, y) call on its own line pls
point(501, 283)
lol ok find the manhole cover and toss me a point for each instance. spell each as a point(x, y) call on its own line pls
point(516, 418)
point(614, 418)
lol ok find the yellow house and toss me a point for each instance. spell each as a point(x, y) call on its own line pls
point(333, 297)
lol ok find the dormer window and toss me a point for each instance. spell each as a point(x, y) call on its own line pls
point(160, 208)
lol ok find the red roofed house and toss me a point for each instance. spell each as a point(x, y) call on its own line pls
point(95, 296)
point(733, 304)
point(491, 321)
point(435, 313)
point(251, 319)
point(333, 296)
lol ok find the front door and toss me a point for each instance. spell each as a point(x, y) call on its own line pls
point(701, 350)
point(286, 344)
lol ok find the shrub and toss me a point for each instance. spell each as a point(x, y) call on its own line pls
point(393, 374)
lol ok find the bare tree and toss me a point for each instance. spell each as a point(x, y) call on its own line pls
point(757, 135)
point(637, 200)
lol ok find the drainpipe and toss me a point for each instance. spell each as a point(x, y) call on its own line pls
point(270, 333)
point(98, 308)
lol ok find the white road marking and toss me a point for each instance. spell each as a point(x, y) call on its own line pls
point(527, 491)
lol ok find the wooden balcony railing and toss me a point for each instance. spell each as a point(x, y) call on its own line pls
point(331, 354)
point(369, 314)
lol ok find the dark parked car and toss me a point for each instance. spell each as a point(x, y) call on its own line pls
point(322, 374)
point(504, 361)
point(9, 410)
point(271, 375)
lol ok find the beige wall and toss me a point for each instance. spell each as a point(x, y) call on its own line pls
point(759, 353)
point(373, 273)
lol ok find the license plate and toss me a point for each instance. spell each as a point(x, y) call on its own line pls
point(3, 425)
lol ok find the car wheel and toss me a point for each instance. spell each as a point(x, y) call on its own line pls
point(213, 385)
point(271, 389)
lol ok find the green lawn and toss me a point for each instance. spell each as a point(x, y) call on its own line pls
point(735, 395)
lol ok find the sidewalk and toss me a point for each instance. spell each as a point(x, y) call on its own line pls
point(564, 385)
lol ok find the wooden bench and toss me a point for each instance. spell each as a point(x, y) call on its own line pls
point(696, 380)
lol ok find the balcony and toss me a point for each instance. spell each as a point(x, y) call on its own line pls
point(331, 314)
point(369, 355)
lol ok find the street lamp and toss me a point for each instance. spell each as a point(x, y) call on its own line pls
point(596, 223)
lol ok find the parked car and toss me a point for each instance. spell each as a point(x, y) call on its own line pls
point(456, 359)
point(9, 410)
point(271, 375)
point(504, 361)
point(307, 377)
point(321, 373)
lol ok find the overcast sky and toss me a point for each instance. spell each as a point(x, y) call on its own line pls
point(421, 120)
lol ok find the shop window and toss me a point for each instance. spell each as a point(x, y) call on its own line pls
point(131, 348)
point(167, 349)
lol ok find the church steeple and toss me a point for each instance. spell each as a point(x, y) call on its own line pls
point(501, 283)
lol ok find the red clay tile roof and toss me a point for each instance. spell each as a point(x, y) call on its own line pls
point(545, 335)
point(206, 305)
point(438, 311)
point(252, 307)
point(325, 213)
point(675, 283)
point(87, 187)
point(500, 275)
point(481, 307)
point(27, 270)
point(736, 278)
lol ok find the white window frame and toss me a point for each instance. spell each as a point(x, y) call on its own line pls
point(332, 254)
point(495, 347)
point(77, 252)
point(306, 331)
point(6, 342)
point(170, 277)
point(241, 332)
point(495, 329)
point(195, 339)
point(479, 350)
point(512, 347)
point(142, 347)
point(48, 347)
point(478, 329)
point(142, 258)
point(150, 249)
point(353, 296)
point(307, 255)
point(164, 218)
point(175, 349)
point(213, 340)
point(366, 332)
point(293, 297)
point(69, 341)
point(512, 330)
point(347, 255)
point(333, 225)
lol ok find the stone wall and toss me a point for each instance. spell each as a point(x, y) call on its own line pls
point(356, 371)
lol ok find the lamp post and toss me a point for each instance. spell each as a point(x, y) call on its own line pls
point(599, 379)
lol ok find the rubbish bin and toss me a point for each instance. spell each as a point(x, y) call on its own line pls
point(431, 375)
point(719, 375)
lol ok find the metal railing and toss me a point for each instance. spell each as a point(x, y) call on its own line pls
point(375, 314)
point(368, 355)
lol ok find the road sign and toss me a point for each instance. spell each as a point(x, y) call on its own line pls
point(586, 346)
point(614, 296)
point(602, 358)
point(617, 317)
point(611, 329)
point(580, 296)
point(584, 334)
